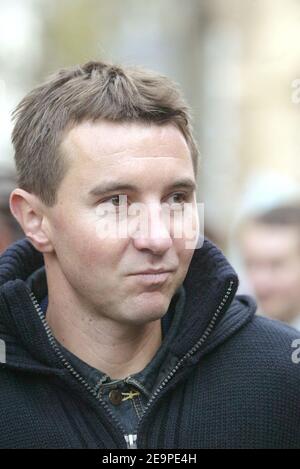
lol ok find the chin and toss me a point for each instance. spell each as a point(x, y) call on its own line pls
point(148, 310)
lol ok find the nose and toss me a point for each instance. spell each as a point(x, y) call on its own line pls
point(153, 232)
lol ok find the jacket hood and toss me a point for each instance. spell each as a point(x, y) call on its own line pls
point(211, 313)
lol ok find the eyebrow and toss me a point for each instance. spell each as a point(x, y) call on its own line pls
point(113, 186)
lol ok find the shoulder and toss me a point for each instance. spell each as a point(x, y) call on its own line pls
point(260, 329)
point(268, 348)
point(274, 335)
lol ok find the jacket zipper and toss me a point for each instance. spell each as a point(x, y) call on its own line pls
point(131, 440)
point(191, 352)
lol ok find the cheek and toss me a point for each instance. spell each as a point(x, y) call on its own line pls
point(104, 254)
point(98, 254)
point(184, 255)
point(77, 241)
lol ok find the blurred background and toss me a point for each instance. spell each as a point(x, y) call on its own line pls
point(238, 63)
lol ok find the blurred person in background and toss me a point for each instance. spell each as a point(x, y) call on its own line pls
point(10, 230)
point(270, 248)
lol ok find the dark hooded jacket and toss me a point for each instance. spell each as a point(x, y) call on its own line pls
point(233, 383)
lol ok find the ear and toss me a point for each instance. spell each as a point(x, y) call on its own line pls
point(29, 211)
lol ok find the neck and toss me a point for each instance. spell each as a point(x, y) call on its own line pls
point(118, 350)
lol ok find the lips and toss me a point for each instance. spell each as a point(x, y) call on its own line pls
point(152, 277)
point(153, 271)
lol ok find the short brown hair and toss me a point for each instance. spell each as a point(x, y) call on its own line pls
point(283, 215)
point(92, 91)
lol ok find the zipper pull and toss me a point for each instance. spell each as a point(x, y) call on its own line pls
point(130, 395)
point(131, 441)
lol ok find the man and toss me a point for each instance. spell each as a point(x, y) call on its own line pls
point(270, 246)
point(118, 331)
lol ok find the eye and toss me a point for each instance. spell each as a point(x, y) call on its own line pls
point(115, 200)
point(119, 200)
point(178, 198)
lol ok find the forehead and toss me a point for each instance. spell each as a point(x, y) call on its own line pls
point(109, 146)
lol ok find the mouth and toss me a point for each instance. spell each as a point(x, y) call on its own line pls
point(153, 277)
